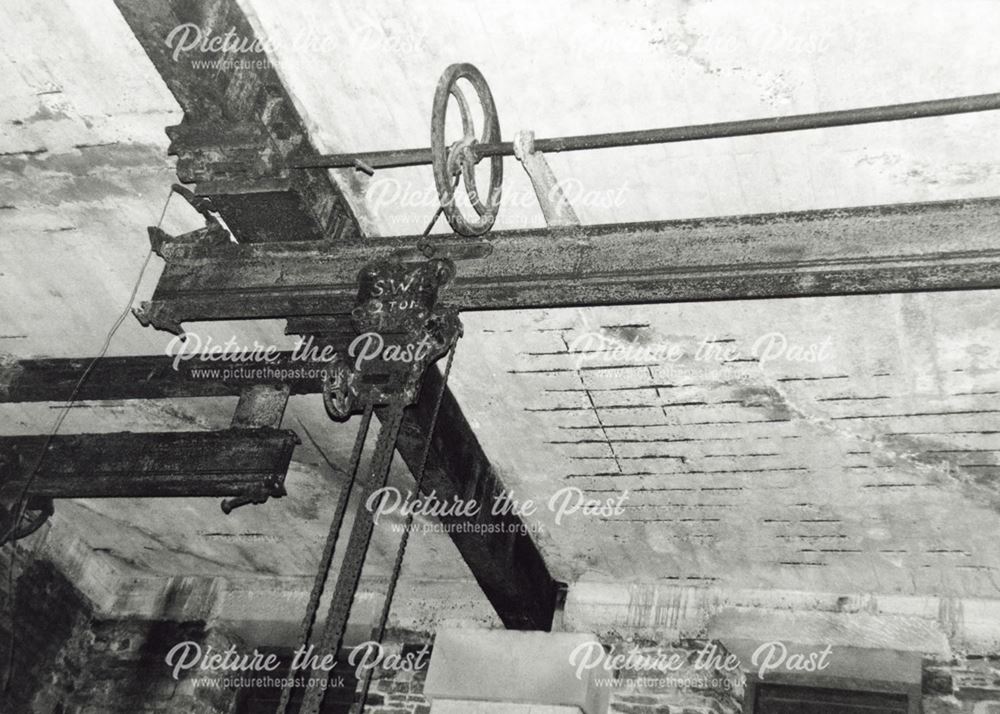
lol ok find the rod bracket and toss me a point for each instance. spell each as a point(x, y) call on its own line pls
point(556, 208)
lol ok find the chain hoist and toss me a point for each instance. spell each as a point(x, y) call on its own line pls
point(401, 332)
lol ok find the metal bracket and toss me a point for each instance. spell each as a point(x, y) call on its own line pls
point(260, 406)
point(555, 205)
point(215, 232)
point(275, 488)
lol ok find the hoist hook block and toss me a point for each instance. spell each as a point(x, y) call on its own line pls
point(401, 332)
point(459, 159)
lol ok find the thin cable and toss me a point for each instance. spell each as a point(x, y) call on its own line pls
point(22, 499)
point(401, 549)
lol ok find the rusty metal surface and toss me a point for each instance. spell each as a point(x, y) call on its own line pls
point(520, 589)
point(260, 406)
point(396, 305)
point(401, 333)
point(147, 377)
point(329, 548)
point(458, 159)
point(947, 245)
point(354, 556)
point(239, 129)
point(501, 554)
point(232, 462)
point(696, 132)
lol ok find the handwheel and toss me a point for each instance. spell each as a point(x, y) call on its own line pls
point(459, 159)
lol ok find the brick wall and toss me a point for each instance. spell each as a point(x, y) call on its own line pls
point(69, 661)
point(391, 692)
point(122, 667)
point(697, 687)
point(396, 692)
point(66, 661)
point(48, 614)
point(963, 685)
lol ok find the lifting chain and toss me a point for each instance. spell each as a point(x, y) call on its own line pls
point(401, 332)
point(319, 583)
point(397, 567)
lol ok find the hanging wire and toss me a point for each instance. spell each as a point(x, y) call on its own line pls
point(22, 499)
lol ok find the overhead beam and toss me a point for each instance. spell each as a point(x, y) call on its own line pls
point(234, 462)
point(149, 377)
point(501, 555)
point(948, 245)
point(240, 125)
point(508, 566)
point(240, 132)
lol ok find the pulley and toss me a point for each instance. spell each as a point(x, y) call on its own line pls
point(15, 525)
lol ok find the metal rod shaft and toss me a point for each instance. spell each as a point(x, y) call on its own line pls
point(696, 132)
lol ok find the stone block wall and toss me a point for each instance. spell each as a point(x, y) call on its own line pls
point(46, 615)
point(67, 661)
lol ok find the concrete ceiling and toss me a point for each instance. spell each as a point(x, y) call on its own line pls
point(364, 74)
point(871, 471)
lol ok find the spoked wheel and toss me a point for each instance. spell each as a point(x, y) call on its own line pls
point(456, 162)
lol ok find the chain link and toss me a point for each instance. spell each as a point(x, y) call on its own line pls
point(401, 550)
point(323, 570)
point(354, 558)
